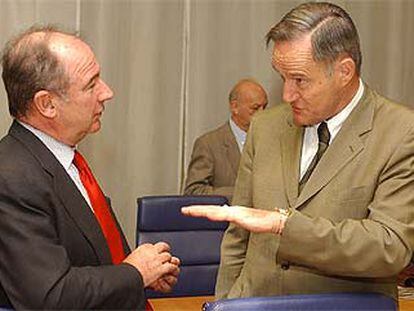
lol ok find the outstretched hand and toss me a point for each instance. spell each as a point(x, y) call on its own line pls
point(254, 220)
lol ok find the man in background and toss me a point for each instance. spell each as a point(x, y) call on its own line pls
point(216, 154)
point(61, 246)
point(324, 197)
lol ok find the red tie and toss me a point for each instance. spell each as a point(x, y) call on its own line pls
point(101, 209)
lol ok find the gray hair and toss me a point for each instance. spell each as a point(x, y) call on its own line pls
point(30, 66)
point(332, 31)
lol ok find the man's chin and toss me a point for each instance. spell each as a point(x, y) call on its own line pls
point(303, 121)
point(96, 126)
point(298, 121)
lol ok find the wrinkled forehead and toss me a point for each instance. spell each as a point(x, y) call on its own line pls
point(76, 56)
point(292, 53)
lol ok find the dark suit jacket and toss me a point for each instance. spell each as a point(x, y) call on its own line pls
point(352, 227)
point(53, 254)
point(214, 163)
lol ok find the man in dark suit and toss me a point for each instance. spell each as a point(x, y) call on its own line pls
point(216, 154)
point(324, 192)
point(60, 244)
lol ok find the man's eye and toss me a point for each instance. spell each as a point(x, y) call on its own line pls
point(91, 86)
point(300, 81)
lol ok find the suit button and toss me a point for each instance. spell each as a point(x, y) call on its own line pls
point(285, 265)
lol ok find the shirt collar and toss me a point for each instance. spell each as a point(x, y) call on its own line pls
point(238, 133)
point(335, 123)
point(63, 153)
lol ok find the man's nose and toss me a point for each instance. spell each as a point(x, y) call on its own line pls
point(106, 93)
point(290, 92)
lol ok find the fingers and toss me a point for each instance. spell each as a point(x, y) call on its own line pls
point(194, 210)
point(168, 272)
point(164, 284)
point(161, 286)
point(175, 261)
point(191, 211)
point(212, 212)
point(164, 257)
point(170, 280)
point(254, 220)
point(162, 247)
point(153, 262)
point(169, 268)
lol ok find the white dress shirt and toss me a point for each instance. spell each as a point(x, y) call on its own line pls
point(310, 138)
point(239, 134)
point(64, 154)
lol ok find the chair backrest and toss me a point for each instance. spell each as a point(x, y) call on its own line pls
point(196, 241)
point(337, 301)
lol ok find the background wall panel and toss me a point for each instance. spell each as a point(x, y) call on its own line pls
point(139, 46)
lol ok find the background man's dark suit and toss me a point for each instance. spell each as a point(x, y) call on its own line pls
point(40, 203)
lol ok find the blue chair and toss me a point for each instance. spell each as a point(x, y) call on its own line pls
point(338, 301)
point(196, 241)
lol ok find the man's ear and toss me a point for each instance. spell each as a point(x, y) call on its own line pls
point(347, 70)
point(234, 107)
point(44, 103)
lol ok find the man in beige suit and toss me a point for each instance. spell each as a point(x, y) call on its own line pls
point(348, 225)
point(216, 154)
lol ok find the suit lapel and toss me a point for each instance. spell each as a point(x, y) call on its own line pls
point(81, 213)
point(345, 147)
point(291, 145)
point(232, 149)
point(66, 190)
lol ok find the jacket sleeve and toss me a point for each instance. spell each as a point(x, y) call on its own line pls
point(200, 174)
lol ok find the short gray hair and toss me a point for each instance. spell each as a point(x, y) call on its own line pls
point(30, 66)
point(332, 31)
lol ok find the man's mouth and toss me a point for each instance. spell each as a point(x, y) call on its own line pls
point(296, 109)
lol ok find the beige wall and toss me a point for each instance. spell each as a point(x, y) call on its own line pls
point(171, 64)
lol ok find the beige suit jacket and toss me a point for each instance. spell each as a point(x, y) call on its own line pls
point(214, 163)
point(352, 229)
